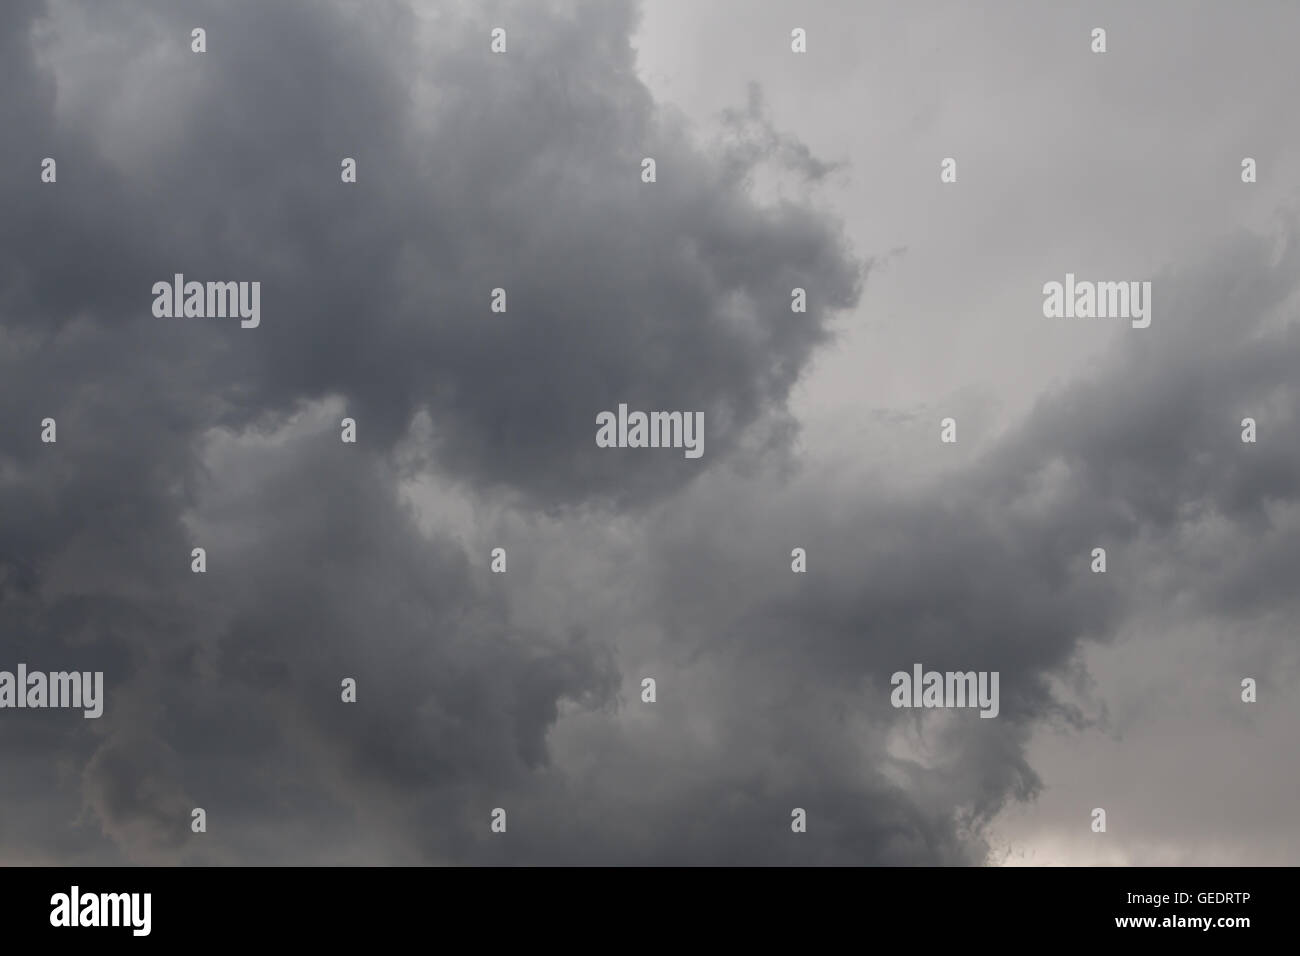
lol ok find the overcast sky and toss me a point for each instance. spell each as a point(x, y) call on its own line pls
point(476, 430)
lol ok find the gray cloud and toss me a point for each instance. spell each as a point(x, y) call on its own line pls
point(476, 430)
point(224, 166)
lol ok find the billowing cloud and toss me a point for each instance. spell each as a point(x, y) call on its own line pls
point(328, 560)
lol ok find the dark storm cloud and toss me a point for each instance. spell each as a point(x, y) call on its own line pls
point(522, 171)
point(475, 172)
